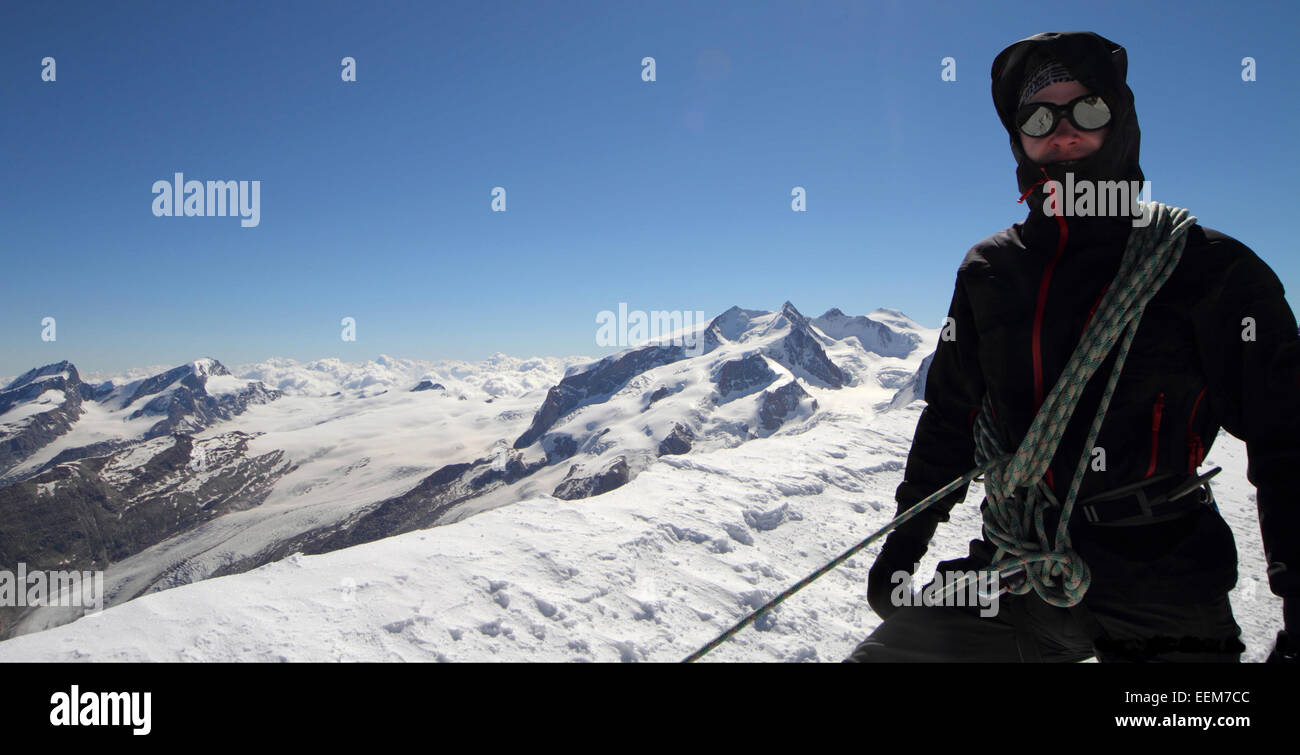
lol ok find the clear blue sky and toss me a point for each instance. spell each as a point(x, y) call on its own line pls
point(675, 194)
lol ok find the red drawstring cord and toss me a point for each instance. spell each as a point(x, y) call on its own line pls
point(1036, 185)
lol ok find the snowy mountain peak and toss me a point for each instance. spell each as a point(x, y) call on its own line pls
point(190, 374)
point(734, 366)
point(787, 317)
point(896, 337)
point(895, 319)
point(208, 366)
point(37, 407)
point(49, 370)
point(734, 323)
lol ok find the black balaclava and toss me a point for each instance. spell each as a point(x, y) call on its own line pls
point(1100, 65)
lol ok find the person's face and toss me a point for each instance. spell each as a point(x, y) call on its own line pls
point(1066, 142)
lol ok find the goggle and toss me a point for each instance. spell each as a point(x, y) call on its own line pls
point(1038, 119)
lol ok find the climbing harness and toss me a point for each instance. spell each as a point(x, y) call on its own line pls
point(1130, 505)
point(1018, 498)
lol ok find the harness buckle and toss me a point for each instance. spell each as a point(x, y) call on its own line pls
point(1130, 505)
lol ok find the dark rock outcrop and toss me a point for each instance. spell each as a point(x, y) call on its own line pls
point(779, 405)
point(662, 391)
point(678, 441)
point(558, 447)
point(741, 377)
point(614, 475)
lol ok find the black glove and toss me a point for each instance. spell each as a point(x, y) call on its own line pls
point(901, 552)
point(1286, 649)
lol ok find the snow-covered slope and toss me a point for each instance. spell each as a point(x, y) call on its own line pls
point(648, 572)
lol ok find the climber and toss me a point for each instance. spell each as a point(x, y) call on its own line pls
point(1216, 346)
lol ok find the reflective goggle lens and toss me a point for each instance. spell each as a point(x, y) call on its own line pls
point(1088, 113)
point(1039, 122)
point(1091, 113)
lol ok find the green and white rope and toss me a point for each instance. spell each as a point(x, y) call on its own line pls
point(1018, 497)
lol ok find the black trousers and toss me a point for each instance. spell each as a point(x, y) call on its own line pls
point(1027, 629)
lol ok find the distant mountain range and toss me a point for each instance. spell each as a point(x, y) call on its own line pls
point(194, 472)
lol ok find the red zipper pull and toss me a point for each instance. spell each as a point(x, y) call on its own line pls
point(1156, 413)
point(1194, 454)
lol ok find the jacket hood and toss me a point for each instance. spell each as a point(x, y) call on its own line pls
point(1099, 64)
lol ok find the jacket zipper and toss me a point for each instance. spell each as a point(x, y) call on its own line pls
point(1156, 412)
point(1038, 320)
point(1195, 453)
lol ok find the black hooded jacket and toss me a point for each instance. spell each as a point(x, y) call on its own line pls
point(1023, 298)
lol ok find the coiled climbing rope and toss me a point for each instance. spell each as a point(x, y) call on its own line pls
point(1018, 498)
